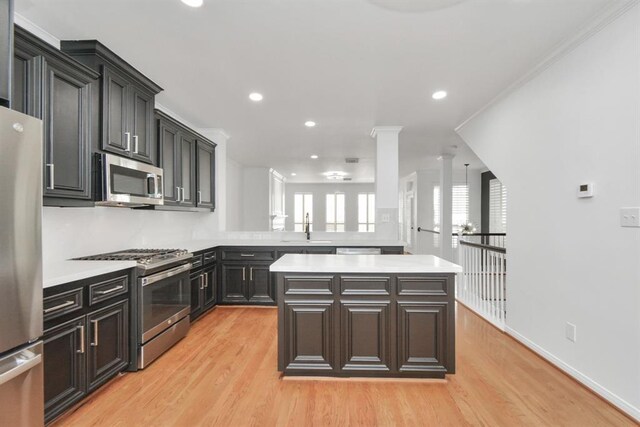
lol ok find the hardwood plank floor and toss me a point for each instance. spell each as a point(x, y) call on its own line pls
point(224, 374)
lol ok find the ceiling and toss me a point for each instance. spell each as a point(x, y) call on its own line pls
point(349, 65)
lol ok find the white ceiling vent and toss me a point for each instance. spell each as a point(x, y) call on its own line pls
point(352, 160)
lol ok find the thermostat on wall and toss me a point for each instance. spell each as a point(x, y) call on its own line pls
point(585, 190)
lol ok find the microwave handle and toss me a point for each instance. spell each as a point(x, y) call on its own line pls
point(156, 186)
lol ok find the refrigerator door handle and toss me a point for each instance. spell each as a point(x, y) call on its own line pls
point(23, 365)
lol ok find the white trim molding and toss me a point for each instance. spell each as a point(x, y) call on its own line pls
point(592, 385)
point(608, 15)
point(37, 30)
point(382, 129)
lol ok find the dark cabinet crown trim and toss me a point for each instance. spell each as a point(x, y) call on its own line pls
point(29, 44)
point(164, 116)
point(94, 47)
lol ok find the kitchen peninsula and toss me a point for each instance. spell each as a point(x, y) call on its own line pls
point(366, 315)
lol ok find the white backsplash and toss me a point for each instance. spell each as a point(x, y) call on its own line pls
point(73, 232)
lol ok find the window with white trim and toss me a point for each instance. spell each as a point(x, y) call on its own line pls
point(335, 212)
point(303, 205)
point(366, 212)
point(459, 209)
point(497, 207)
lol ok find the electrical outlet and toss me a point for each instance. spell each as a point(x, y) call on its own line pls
point(570, 331)
point(630, 217)
point(386, 218)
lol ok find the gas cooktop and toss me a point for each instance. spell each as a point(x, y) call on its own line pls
point(147, 259)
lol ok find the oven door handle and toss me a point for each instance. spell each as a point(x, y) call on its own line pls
point(165, 274)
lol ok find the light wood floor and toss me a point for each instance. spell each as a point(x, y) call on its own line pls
point(224, 373)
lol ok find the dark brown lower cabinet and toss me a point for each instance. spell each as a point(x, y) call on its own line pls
point(86, 339)
point(64, 366)
point(204, 290)
point(366, 325)
point(247, 283)
point(108, 350)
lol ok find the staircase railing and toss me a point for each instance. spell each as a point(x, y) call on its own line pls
point(482, 286)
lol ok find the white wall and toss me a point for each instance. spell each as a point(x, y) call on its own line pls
point(569, 260)
point(255, 193)
point(319, 192)
point(234, 201)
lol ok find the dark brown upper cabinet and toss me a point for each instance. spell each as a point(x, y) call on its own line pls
point(125, 102)
point(188, 161)
point(57, 89)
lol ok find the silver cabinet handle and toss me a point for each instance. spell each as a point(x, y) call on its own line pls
point(206, 280)
point(135, 144)
point(81, 327)
point(59, 306)
point(247, 255)
point(183, 199)
point(251, 273)
point(127, 140)
point(244, 273)
point(199, 197)
point(108, 291)
point(94, 343)
point(178, 194)
point(51, 169)
point(201, 281)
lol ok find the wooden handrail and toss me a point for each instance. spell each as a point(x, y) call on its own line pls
point(487, 247)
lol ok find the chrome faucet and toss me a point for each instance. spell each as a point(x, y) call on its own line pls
point(307, 226)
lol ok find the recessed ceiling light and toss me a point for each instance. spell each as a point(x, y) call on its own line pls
point(309, 123)
point(441, 94)
point(254, 96)
point(314, 156)
point(293, 174)
point(193, 3)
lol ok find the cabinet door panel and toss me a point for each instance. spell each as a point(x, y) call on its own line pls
point(196, 295)
point(66, 134)
point(64, 366)
point(108, 343)
point(168, 143)
point(115, 98)
point(421, 336)
point(234, 281)
point(308, 336)
point(260, 284)
point(206, 175)
point(365, 329)
point(143, 148)
point(210, 287)
point(187, 158)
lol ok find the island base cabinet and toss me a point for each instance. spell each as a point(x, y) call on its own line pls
point(308, 336)
point(366, 325)
point(64, 366)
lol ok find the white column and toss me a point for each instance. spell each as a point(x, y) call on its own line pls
point(387, 181)
point(446, 205)
point(220, 137)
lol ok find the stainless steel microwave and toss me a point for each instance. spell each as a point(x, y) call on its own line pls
point(128, 183)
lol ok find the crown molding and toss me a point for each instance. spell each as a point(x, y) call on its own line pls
point(382, 129)
point(608, 15)
point(36, 30)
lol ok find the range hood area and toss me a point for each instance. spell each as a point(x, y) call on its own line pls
point(6, 51)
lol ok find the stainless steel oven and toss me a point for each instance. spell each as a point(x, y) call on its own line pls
point(126, 182)
point(165, 303)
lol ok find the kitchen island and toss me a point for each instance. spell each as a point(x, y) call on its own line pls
point(366, 315)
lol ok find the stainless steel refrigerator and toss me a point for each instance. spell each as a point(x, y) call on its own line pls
point(21, 359)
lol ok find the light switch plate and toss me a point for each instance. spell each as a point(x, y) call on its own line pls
point(630, 217)
point(570, 332)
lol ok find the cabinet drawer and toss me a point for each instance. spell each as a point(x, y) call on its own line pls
point(196, 262)
point(63, 303)
point(364, 285)
point(247, 255)
point(422, 286)
point(308, 285)
point(103, 291)
point(209, 257)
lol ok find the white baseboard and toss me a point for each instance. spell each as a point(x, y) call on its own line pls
point(606, 394)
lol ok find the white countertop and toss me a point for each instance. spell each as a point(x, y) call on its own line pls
point(62, 272)
point(294, 263)
point(199, 245)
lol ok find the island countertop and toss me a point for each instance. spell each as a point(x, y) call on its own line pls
point(297, 263)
